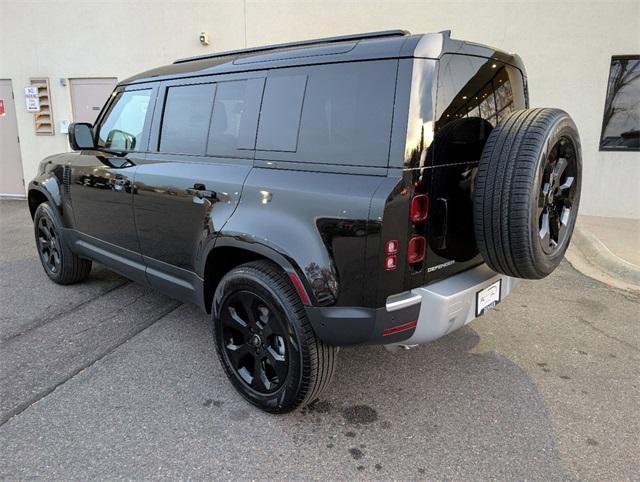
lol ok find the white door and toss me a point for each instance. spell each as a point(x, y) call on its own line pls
point(88, 96)
point(11, 181)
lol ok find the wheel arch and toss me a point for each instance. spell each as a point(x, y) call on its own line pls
point(228, 253)
point(41, 193)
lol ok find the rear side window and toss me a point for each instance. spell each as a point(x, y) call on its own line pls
point(235, 117)
point(280, 115)
point(185, 122)
point(333, 114)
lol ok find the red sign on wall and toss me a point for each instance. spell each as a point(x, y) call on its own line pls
point(1, 107)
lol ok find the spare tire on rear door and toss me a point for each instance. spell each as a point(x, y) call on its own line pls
point(527, 191)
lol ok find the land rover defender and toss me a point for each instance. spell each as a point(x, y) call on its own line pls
point(382, 188)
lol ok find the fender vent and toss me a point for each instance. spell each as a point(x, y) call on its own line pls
point(66, 179)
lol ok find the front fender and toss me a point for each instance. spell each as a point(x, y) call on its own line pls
point(48, 186)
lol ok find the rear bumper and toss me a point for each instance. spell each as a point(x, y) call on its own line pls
point(350, 325)
point(418, 316)
point(450, 304)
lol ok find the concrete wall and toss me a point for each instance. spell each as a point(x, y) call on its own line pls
point(566, 47)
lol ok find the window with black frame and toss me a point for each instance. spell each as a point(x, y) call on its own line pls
point(621, 119)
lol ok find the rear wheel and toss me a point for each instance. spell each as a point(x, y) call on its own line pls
point(527, 192)
point(265, 342)
point(61, 264)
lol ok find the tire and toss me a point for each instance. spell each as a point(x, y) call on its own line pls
point(265, 342)
point(60, 264)
point(527, 192)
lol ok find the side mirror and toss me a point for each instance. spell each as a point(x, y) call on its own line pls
point(81, 136)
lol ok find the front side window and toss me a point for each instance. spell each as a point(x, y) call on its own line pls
point(121, 129)
point(621, 120)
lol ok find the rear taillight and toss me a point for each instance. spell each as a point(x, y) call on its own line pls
point(419, 208)
point(417, 246)
point(416, 249)
point(391, 262)
point(391, 247)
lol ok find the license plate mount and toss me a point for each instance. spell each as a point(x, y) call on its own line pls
point(488, 297)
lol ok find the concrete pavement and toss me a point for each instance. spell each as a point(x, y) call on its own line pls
point(620, 236)
point(607, 250)
point(109, 379)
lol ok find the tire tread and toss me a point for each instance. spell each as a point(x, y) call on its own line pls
point(503, 191)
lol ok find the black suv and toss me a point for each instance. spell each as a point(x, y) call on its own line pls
point(382, 188)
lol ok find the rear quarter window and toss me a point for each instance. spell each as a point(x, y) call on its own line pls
point(329, 114)
point(477, 87)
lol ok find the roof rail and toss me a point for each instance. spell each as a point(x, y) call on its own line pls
point(302, 43)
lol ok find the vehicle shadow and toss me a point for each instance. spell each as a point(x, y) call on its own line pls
point(442, 408)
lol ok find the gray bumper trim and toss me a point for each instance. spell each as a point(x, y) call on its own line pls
point(451, 303)
point(397, 302)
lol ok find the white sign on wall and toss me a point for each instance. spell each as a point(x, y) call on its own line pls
point(31, 99)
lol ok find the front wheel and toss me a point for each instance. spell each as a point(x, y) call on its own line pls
point(61, 264)
point(265, 341)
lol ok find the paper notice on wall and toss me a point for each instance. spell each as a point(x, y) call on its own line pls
point(31, 99)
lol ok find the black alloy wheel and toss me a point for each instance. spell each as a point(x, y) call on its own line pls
point(60, 263)
point(556, 195)
point(265, 341)
point(255, 341)
point(49, 245)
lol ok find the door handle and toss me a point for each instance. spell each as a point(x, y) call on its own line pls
point(200, 193)
point(441, 222)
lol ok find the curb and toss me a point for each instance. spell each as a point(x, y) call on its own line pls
point(591, 257)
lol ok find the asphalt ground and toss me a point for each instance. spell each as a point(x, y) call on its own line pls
point(108, 379)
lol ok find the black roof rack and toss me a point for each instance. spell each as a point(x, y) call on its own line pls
point(302, 43)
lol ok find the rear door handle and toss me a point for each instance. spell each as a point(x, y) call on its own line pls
point(441, 222)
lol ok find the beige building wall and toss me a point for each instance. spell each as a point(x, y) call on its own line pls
point(566, 46)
